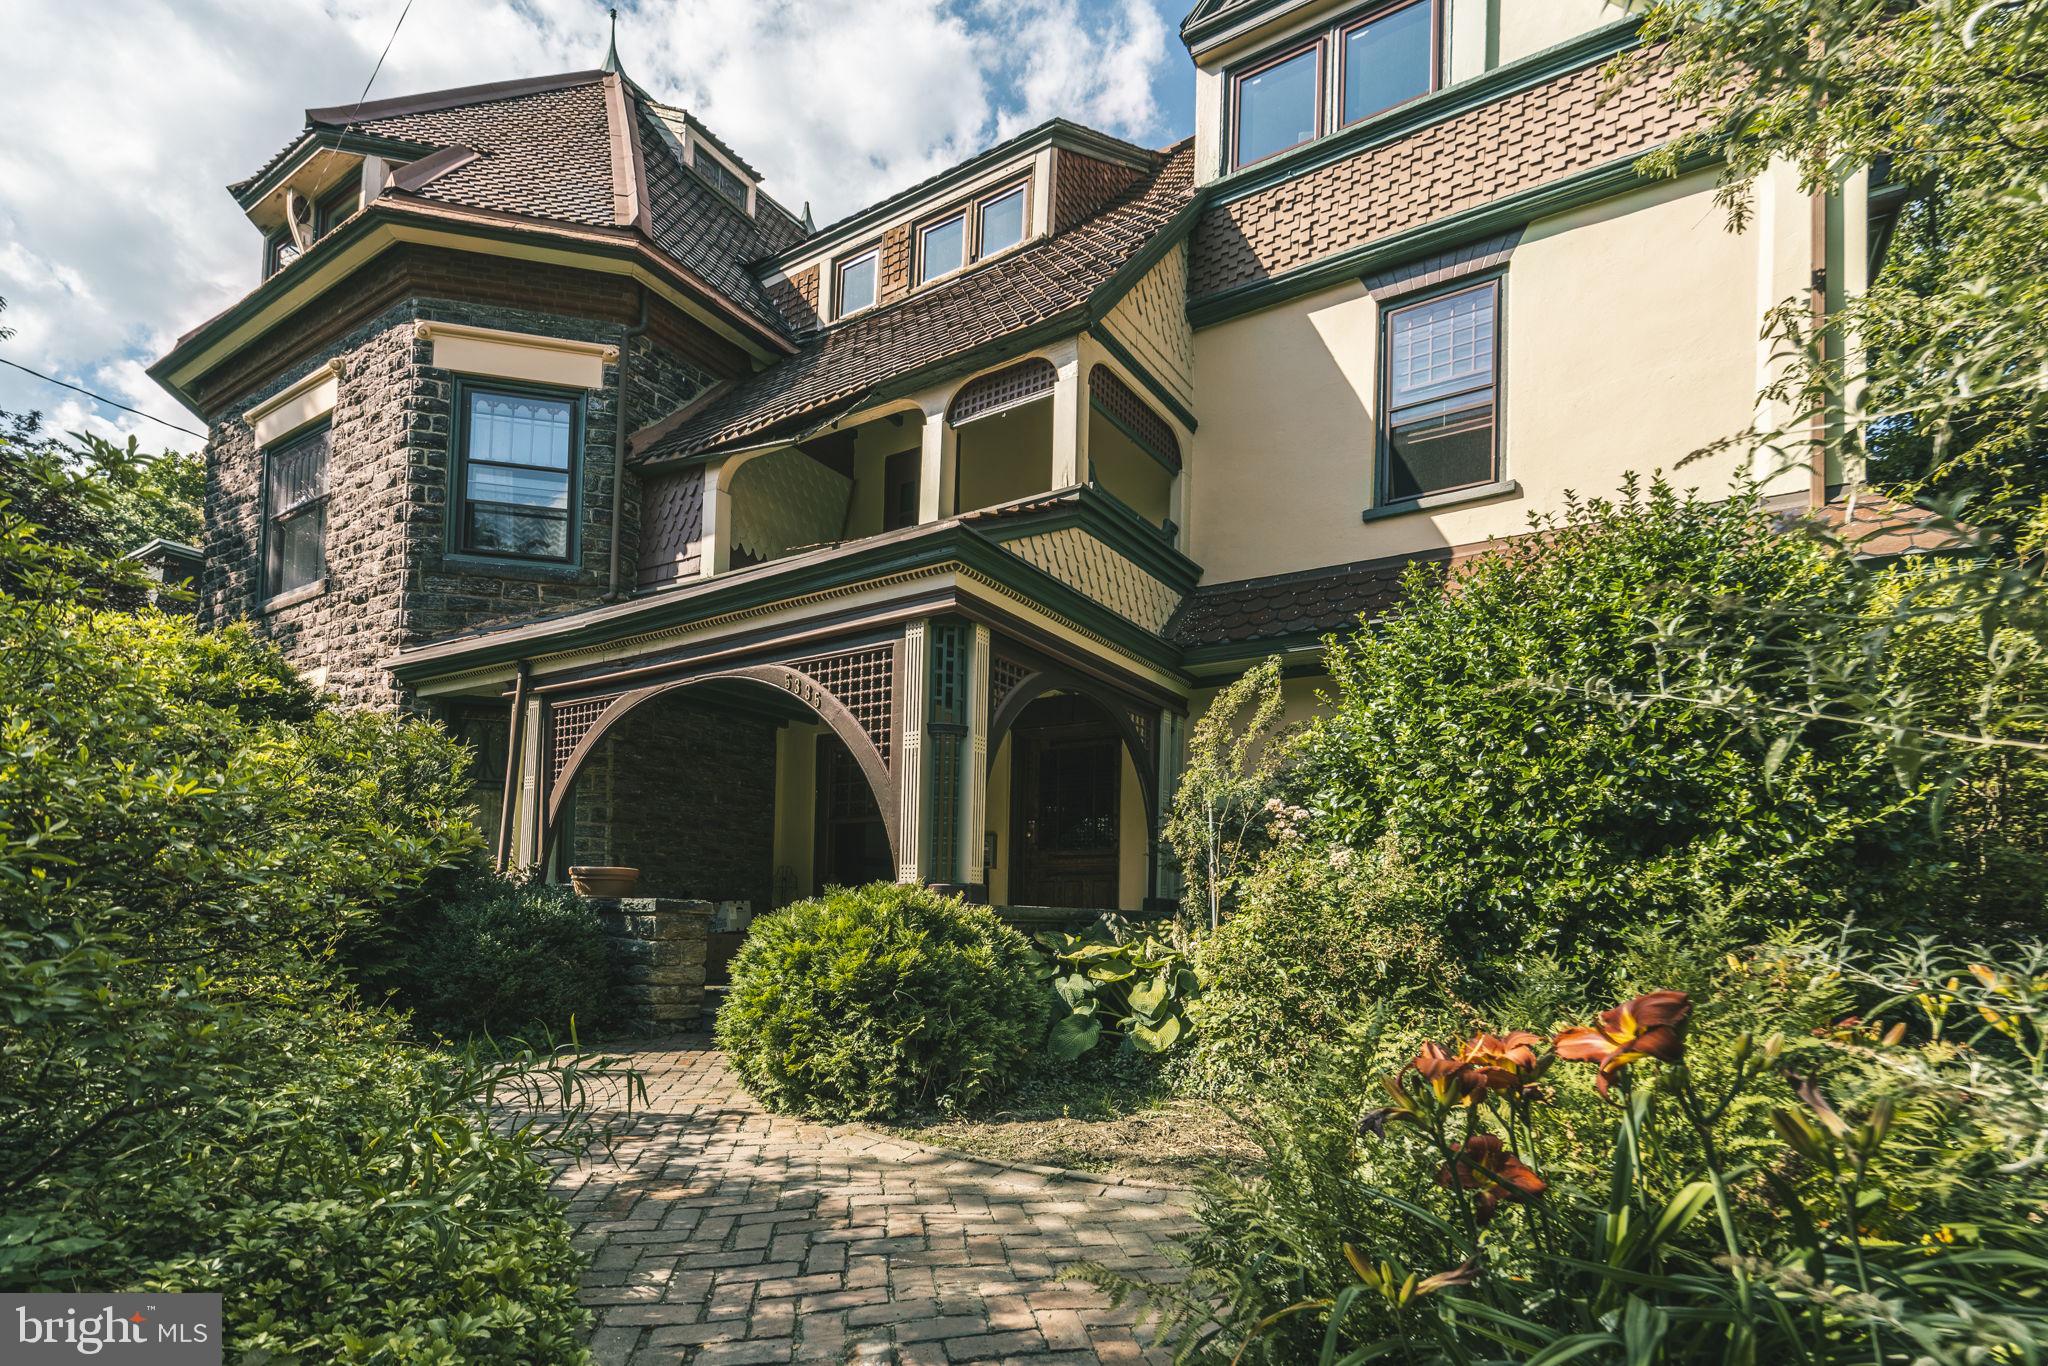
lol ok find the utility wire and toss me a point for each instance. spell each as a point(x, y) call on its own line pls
point(99, 398)
point(380, 61)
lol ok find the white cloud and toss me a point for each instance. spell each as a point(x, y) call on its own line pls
point(123, 120)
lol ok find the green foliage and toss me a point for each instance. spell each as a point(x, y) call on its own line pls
point(1759, 1185)
point(1115, 982)
point(874, 1001)
point(1233, 767)
point(189, 1095)
point(1325, 936)
point(95, 500)
point(1655, 709)
point(1945, 98)
point(492, 956)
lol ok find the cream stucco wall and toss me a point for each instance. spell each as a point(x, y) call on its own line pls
point(1005, 456)
point(796, 807)
point(1630, 342)
point(999, 779)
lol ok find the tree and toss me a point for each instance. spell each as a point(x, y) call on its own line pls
point(1947, 99)
point(1233, 764)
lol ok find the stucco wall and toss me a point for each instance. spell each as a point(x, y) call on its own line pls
point(1615, 359)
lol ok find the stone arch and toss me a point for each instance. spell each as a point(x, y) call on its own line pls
point(784, 678)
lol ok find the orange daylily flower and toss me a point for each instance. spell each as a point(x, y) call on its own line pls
point(1452, 1078)
point(1509, 1063)
point(1650, 1026)
point(1484, 1164)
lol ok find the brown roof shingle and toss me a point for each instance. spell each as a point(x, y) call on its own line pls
point(1292, 608)
point(846, 362)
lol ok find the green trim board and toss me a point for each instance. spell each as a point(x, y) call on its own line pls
point(1447, 102)
point(1590, 186)
point(945, 543)
point(1105, 517)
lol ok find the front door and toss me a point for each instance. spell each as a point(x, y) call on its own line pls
point(1069, 767)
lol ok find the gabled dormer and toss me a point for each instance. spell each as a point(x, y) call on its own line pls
point(988, 207)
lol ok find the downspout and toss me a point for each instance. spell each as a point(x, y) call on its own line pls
point(611, 591)
point(513, 744)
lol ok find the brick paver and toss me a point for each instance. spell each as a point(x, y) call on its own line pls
point(721, 1233)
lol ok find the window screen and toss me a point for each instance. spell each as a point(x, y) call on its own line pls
point(517, 475)
point(1276, 105)
point(1440, 393)
point(1388, 59)
point(295, 494)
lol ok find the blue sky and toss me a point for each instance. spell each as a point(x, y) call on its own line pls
point(127, 117)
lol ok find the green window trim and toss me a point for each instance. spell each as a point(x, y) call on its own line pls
point(1383, 496)
point(459, 538)
point(291, 511)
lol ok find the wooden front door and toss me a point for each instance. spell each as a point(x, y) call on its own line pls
point(1065, 805)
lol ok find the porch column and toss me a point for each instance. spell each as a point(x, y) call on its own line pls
point(1069, 416)
point(937, 461)
point(716, 534)
point(942, 752)
point(530, 794)
point(1170, 758)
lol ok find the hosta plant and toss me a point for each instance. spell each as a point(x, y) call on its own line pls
point(1116, 983)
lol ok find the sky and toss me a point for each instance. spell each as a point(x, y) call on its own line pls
point(123, 120)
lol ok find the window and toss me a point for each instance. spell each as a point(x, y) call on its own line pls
point(1389, 59)
point(1386, 55)
point(856, 285)
point(942, 248)
point(1279, 105)
point(1439, 396)
point(899, 490)
point(1002, 222)
point(518, 473)
point(722, 178)
point(295, 514)
point(279, 250)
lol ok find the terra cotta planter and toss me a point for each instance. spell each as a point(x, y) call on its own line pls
point(604, 883)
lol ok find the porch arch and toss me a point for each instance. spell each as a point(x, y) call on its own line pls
point(1036, 681)
point(791, 682)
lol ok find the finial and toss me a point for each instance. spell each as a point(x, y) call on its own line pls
point(611, 58)
point(810, 225)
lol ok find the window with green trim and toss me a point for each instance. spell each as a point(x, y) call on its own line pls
point(295, 513)
point(1439, 391)
point(517, 472)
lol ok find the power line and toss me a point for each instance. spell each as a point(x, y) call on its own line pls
point(380, 61)
point(99, 398)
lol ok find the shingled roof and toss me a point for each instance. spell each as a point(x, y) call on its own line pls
point(544, 147)
point(847, 363)
point(1294, 608)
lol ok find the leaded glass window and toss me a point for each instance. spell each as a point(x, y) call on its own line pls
point(518, 474)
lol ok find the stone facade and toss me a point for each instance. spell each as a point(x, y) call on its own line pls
point(658, 956)
point(392, 576)
point(685, 792)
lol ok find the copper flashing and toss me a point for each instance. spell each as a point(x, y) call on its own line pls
point(431, 167)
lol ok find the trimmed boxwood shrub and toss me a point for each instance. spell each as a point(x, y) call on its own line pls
point(872, 1001)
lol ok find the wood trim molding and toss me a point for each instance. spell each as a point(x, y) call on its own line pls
point(305, 400)
point(525, 356)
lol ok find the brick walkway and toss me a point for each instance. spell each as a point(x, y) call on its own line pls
point(723, 1234)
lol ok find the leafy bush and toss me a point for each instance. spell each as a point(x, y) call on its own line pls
point(492, 956)
point(869, 1002)
point(1620, 721)
point(189, 1096)
point(1324, 934)
point(1739, 1178)
point(1111, 980)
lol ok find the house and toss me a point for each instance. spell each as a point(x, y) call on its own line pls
point(762, 555)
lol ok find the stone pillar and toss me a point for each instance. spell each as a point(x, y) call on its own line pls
point(658, 951)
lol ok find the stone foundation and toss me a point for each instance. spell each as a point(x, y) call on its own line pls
point(658, 949)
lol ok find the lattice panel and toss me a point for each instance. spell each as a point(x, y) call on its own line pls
point(1005, 676)
point(1006, 388)
point(567, 725)
point(1142, 723)
point(864, 683)
point(1144, 426)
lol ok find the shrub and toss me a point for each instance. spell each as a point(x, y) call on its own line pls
point(1325, 933)
point(1725, 1178)
point(189, 1096)
point(494, 956)
point(872, 1001)
point(1113, 981)
point(1655, 706)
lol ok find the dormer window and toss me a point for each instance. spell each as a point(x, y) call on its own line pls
point(855, 287)
point(992, 223)
point(1384, 56)
point(722, 177)
point(318, 218)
